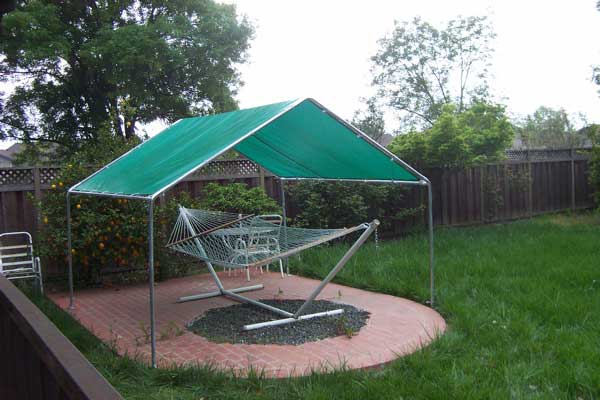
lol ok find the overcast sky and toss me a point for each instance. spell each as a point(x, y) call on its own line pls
point(322, 48)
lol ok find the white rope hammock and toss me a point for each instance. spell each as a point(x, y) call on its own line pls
point(244, 241)
point(241, 241)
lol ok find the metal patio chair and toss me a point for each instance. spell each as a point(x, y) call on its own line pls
point(257, 240)
point(266, 241)
point(17, 260)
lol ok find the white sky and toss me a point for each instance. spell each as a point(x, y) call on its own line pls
point(322, 48)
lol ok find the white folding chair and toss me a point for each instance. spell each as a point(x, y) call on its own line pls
point(17, 260)
point(266, 241)
point(260, 238)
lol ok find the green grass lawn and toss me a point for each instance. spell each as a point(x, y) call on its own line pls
point(522, 301)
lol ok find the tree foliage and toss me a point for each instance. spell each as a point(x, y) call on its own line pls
point(107, 232)
point(86, 67)
point(596, 70)
point(237, 198)
point(420, 68)
point(477, 135)
point(340, 204)
point(551, 128)
point(370, 120)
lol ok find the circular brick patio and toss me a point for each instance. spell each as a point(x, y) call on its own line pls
point(396, 326)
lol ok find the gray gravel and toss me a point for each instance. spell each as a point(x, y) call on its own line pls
point(225, 324)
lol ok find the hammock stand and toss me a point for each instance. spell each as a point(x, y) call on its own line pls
point(208, 246)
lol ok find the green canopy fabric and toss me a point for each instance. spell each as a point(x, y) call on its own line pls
point(292, 139)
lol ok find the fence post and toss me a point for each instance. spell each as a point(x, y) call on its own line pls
point(261, 178)
point(506, 193)
point(444, 197)
point(37, 192)
point(529, 186)
point(572, 179)
point(482, 170)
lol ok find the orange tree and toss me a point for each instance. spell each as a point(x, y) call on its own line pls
point(108, 233)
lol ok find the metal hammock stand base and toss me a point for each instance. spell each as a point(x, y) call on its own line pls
point(195, 244)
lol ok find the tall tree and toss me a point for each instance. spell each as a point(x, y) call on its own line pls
point(548, 127)
point(85, 67)
point(370, 120)
point(420, 68)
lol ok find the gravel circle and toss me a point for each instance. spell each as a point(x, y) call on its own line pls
point(224, 325)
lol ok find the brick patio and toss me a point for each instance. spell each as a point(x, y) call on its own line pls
point(396, 327)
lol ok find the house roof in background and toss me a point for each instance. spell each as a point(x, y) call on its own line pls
point(11, 152)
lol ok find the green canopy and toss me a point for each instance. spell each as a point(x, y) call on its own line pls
point(294, 139)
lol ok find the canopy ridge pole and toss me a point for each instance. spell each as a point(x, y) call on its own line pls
point(69, 252)
point(341, 263)
point(151, 279)
point(431, 247)
point(283, 207)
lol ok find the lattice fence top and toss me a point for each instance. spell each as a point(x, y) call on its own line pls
point(48, 174)
point(23, 178)
point(16, 176)
point(546, 154)
point(238, 168)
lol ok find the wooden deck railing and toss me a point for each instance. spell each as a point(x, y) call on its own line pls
point(37, 361)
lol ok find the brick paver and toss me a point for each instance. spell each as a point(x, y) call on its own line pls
point(120, 315)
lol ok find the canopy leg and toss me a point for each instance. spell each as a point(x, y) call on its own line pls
point(69, 253)
point(431, 259)
point(284, 212)
point(151, 279)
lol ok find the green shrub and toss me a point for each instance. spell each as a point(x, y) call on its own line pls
point(339, 204)
point(107, 232)
point(237, 198)
point(477, 135)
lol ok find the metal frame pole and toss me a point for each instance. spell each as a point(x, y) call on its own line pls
point(69, 252)
point(282, 185)
point(430, 224)
point(151, 279)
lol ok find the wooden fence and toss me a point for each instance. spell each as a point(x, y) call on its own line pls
point(37, 361)
point(483, 194)
point(503, 192)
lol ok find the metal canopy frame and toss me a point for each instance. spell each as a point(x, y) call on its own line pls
point(423, 181)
